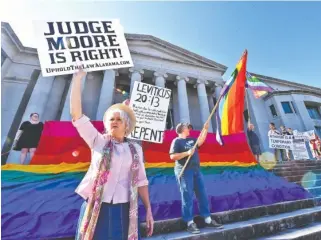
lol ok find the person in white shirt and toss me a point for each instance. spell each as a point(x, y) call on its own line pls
point(116, 176)
point(274, 131)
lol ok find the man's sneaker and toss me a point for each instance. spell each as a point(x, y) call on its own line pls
point(214, 224)
point(192, 228)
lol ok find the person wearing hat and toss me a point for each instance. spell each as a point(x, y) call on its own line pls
point(116, 175)
point(192, 179)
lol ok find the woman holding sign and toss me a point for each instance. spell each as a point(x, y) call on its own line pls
point(116, 175)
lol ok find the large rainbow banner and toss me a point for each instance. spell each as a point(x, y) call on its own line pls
point(39, 202)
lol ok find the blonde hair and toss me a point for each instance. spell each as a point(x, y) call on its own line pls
point(123, 116)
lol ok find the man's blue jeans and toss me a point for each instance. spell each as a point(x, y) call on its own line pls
point(192, 181)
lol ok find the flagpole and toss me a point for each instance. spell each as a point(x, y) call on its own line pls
point(194, 147)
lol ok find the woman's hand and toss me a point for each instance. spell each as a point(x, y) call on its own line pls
point(126, 102)
point(79, 74)
point(75, 95)
point(149, 222)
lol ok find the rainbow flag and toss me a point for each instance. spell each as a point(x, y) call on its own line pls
point(229, 115)
point(258, 88)
point(39, 200)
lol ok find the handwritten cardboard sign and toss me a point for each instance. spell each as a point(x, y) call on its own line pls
point(150, 104)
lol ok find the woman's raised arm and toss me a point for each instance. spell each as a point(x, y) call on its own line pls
point(75, 95)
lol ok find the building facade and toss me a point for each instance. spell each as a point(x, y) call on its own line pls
point(194, 80)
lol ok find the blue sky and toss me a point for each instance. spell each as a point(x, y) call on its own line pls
point(283, 38)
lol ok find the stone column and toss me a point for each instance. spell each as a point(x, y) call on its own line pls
point(135, 75)
point(182, 99)
point(106, 93)
point(203, 102)
point(56, 94)
point(211, 106)
point(218, 90)
point(37, 103)
point(90, 97)
point(160, 79)
point(65, 115)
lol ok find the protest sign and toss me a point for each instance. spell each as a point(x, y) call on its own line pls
point(281, 142)
point(65, 46)
point(307, 136)
point(150, 104)
point(299, 149)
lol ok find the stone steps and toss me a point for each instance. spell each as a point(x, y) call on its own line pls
point(298, 173)
point(315, 191)
point(309, 183)
point(311, 232)
point(295, 167)
point(228, 217)
point(298, 178)
point(301, 173)
point(310, 164)
point(305, 173)
point(252, 228)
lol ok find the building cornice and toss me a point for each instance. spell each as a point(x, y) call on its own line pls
point(6, 27)
point(175, 61)
point(301, 92)
point(172, 47)
point(285, 82)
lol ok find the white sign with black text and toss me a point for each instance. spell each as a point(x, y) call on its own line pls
point(299, 149)
point(307, 136)
point(281, 141)
point(65, 46)
point(150, 104)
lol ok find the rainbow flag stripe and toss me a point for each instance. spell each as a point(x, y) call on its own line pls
point(258, 88)
point(229, 115)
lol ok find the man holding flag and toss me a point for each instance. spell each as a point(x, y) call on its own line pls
point(184, 150)
point(192, 180)
point(229, 118)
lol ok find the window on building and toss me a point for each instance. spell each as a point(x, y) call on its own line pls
point(314, 112)
point(318, 131)
point(273, 111)
point(293, 107)
point(286, 107)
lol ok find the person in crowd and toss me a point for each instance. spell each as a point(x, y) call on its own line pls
point(318, 147)
point(284, 132)
point(116, 175)
point(290, 131)
point(254, 141)
point(274, 131)
point(192, 178)
point(190, 127)
point(315, 146)
point(28, 136)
